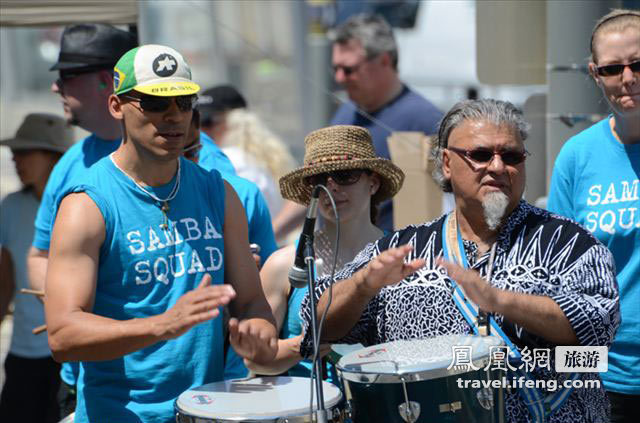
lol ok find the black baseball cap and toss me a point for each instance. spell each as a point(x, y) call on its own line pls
point(220, 99)
point(93, 46)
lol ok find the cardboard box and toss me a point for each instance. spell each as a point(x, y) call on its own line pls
point(420, 199)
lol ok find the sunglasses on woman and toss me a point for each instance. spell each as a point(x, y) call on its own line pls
point(617, 69)
point(340, 177)
point(483, 156)
point(155, 104)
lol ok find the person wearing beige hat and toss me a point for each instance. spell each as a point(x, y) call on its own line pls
point(31, 374)
point(342, 158)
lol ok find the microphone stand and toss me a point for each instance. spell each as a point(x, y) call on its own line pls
point(309, 259)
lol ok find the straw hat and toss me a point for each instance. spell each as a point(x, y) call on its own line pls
point(340, 147)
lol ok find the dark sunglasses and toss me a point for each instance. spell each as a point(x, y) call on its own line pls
point(484, 157)
point(340, 177)
point(617, 69)
point(192, 151)
point(156, 104)
point(348, 70)
point(66, 75)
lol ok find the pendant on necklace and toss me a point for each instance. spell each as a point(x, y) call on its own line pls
point(165, 210)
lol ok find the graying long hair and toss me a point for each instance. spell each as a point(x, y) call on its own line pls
point(373, 32)
point(489, 110)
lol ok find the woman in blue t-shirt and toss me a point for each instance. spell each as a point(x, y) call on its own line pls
point(595, 182)
point(341, 158)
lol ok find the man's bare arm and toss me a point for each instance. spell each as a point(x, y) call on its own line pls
point(75, 333)
point(252, 327)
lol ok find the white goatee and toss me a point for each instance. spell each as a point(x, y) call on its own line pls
point(494, 206)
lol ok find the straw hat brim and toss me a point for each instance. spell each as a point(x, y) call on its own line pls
point(294, 188)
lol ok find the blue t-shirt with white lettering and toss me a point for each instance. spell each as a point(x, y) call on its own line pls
point(596, 183)
point(144, 269)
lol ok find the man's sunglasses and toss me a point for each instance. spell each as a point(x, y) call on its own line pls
point(65, 75)
point(156, 104)
point(192, 151)
point(617, 69)
point(484, 157)
point(340, 177)
point(348, 70)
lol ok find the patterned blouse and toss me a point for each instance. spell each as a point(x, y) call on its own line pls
point(537, 253)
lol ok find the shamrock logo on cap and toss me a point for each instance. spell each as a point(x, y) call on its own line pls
point(165, 65)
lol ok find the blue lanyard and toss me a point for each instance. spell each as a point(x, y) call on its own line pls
point(468, 309)
point(539, 406)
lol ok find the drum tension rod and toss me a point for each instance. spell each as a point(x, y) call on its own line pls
point(409, 410)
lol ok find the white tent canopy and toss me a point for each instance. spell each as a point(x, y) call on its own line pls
point(61, 12)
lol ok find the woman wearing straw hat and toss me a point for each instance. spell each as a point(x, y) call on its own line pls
point(341, 158)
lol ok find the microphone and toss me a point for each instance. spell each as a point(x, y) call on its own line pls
point(298, 277)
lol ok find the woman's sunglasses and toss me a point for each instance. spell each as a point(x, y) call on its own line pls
point(340, 177)
point(617, 69)
point(484, 157)
point(155, 104)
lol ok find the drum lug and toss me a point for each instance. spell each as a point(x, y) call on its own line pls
point(409, 411)
point(450, 407)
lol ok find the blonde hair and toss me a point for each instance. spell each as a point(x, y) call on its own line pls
point(617, 20)
point(246, 131)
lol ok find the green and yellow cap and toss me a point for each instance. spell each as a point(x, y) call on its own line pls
point(155, 70)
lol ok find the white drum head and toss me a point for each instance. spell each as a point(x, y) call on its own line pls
point(255, 399)
point(416, 356)
point(69, 419)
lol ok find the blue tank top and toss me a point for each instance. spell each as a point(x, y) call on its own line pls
point(143, 271)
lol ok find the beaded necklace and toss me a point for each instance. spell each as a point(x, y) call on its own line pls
point(162, 203)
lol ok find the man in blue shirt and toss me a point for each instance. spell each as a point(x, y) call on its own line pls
point(365, 64)
point(88, 53)
point(145, 249)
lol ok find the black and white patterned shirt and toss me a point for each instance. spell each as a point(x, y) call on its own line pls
point(538, 253)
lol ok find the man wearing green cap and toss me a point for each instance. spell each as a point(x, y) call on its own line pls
point(145, 249)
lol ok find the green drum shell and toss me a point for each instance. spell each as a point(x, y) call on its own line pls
point(379, 401)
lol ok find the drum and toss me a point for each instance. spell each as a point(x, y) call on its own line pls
point(263, 399)
point(418, 381)
point(340, 350)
